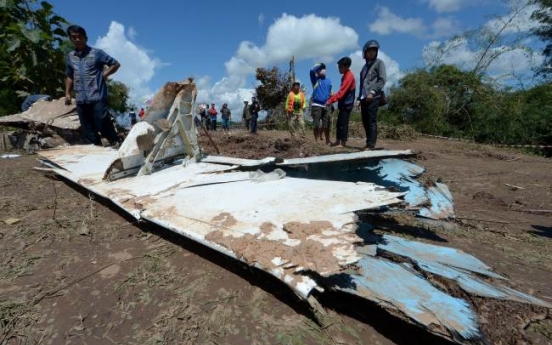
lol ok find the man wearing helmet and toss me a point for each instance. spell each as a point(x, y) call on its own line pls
point(372, 81)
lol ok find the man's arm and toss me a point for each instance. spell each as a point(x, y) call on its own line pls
point(312, 73)
point(68, 89)
point(110, 70)
point(346, 85)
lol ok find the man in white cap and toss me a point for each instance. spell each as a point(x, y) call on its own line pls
point(321, 92)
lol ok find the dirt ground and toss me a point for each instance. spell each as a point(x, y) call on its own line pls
point(76, 270)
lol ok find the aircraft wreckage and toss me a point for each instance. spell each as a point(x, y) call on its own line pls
point(299, 225)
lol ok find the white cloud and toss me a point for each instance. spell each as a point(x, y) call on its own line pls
point(261, 19)
point(305, 38)
point(443, 27)
point(511, 65)
point(446, 5)
point(137, 66)
point(509, 61)
point(517, 20)
point(389, 23)
point(132, 33)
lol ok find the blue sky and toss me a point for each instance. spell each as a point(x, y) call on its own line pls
point(221, 43)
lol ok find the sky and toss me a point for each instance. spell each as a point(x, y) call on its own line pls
point(221, 43)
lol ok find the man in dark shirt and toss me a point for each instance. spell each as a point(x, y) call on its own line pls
point(254, 109)
point(87, 74)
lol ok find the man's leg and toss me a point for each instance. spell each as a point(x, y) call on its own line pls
point(372, 124)
point(254, 125)
point(325, 124)
point(346, 115)
point(86, 118)
point(291, 124)
point(301, 121)
point(315, 114)
point(343, 126)
point(104, 123)
point(365, 120)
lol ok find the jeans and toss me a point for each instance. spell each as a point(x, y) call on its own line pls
point(213, 123)
point(369, 112)
point(253, 124)
point(94, 118)
point(342, 127)
point(225, 124)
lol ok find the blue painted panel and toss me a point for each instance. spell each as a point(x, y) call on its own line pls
point(395, 286)
point(442, 205)
point(402, 173)
point(428, 253)
point(455, 265)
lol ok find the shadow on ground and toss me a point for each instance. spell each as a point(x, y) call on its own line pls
point(544, 231)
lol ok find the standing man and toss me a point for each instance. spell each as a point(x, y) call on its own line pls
point(345, 99)
point(246, 115)
point(295, 104)
point(87, 74)
point(142, 113)
point(226, 115)
point(321, 92)
point(213, 117)
point(254, 109)
point(372, 81)
point(132, 116)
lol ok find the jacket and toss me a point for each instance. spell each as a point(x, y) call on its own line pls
point(292, 106)
point(345, 97)
point(372, 79)
point(246, 114)
point(321, 86)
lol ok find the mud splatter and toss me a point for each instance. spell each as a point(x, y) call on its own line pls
point(225, 219)
point(309, 253)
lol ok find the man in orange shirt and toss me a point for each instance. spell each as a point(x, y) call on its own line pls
point(295, 104)
point(345, 99)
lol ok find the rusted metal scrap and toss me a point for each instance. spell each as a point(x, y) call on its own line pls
point(299, 225)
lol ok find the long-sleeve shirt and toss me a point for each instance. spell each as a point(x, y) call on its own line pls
point(372, 78)
point(321, 86)
point(345, 97)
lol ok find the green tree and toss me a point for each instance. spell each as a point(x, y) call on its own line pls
point(30, 61)
point(273, 88)
point(272, 92)
point(117, 96)
point(439, 101)
point(544, 32)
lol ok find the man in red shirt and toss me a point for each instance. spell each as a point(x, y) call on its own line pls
point(345, 99)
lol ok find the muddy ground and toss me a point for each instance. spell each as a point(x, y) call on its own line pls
point(76, 270)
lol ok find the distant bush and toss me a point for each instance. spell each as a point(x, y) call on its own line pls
point(449, 102)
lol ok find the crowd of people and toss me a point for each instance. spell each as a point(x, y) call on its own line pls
point(372, 80)
point(94, 66)
point(207, 116)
